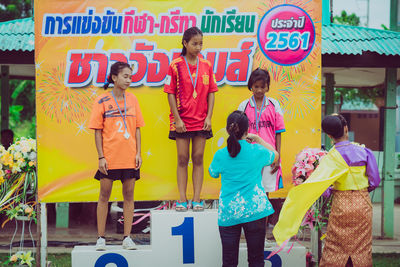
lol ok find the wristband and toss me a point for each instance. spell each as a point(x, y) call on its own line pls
point(101, 158)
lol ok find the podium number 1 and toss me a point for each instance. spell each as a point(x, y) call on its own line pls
point(186, 230)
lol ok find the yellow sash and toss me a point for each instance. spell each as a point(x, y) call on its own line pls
point(300, 198)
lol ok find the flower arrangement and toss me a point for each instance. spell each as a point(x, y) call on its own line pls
point(306, 162)
point(21, 258)
point(18, 178)
point(22, 211)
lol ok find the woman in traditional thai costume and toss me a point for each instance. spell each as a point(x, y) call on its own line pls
point(352, 170)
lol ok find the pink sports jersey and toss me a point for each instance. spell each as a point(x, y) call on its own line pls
point(270, 122)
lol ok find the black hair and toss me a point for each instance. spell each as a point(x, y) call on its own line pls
point(115, 70)
point(7, 138)
point(334, 125)
point(236, 125)
point(187, 35)
point(257, 75)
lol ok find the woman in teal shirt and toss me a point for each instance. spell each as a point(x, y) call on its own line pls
point(242, 201)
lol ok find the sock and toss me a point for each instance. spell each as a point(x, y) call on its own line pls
point(101, 237)
point(125, 236)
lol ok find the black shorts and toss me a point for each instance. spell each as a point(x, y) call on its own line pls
point(119, 174)
point(206, 134)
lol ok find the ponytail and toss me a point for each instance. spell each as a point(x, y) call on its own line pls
point(237, 124)
point(232, 142)
point(109, 80)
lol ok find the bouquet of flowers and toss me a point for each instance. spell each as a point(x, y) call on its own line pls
point(306, 162)
point(17, 176)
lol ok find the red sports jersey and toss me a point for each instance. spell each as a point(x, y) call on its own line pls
point(192, 110)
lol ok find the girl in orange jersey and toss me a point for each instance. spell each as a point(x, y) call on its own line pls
point(116, 119)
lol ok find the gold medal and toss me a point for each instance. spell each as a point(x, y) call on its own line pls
point(194, 94)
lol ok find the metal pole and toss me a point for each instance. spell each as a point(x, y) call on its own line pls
point(367, 13)
point(326, 12)
point(329, 101)
point(43, 232)
point(5, 96)
point(387, 218)
point(393, 15)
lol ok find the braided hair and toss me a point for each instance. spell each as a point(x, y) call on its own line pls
point(116, 68)
point(237, 124)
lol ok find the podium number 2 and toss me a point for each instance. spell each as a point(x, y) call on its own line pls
point(186, 230)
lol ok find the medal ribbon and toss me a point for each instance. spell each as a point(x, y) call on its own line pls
point(120, 112)
point(190, 74)
point(258, 117)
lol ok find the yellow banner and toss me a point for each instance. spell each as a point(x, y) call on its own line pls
point(77, 41)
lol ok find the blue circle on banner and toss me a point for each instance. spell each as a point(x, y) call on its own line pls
point(115, 258)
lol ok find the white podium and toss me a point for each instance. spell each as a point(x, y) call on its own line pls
point(179, 239)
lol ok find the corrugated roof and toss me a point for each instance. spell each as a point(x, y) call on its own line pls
point(354, 40)
point(17, 34)
point(336, 39)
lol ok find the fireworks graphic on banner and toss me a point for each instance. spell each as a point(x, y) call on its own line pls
point(304, 97)
point(63, 103)
point(313, 58)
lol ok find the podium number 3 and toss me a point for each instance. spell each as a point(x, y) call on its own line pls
point(186, 230)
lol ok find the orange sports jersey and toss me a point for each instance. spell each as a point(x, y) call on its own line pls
point(192, 110)
point(119, 152)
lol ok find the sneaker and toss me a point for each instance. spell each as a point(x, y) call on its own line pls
point(128, 243)
point(100, 244)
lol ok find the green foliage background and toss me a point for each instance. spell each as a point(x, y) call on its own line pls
point(22, 108)
point(15, 9)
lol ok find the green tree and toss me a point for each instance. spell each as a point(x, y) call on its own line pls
point(22, 108)
point(345, 19)
point(15, 9)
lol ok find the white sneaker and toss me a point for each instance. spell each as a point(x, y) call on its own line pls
point(128, 243)
point(100, 244)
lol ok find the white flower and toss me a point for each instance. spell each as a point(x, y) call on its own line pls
point(32, 156)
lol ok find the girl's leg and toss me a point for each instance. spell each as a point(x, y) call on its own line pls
point(102, 205)
point(230, 239)
point(254, 232)
point(198, 168)
point(128, 187)
point(182, 146)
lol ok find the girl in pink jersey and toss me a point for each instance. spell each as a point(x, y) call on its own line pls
point(266, 120)
point(190, 85)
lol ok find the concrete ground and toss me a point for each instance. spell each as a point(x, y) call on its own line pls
point(63, 240)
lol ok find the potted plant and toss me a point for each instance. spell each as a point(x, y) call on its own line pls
point(21, 258)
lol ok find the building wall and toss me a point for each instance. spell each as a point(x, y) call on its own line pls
point(365, 126)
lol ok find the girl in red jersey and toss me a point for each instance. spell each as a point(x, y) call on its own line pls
point(190, 85)
point(116, 119)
